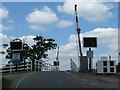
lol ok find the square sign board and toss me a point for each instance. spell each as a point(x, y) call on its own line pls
point(16, 46)
point(90, 42)
point(16, 56)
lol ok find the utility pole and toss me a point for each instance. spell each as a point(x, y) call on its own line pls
point(78, 31)
point(57, 54)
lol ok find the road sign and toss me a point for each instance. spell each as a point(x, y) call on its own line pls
point(90, 42)
point(16, 56)
point(16, 61)
point(90, 54)
point(16, 45)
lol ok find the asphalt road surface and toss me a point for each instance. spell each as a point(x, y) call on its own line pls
point(58, 80)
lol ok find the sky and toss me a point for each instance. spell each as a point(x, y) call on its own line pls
point(56, 20)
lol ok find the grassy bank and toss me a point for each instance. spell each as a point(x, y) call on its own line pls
point(5, 82)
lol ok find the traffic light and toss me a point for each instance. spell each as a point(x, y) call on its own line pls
point(56, 63)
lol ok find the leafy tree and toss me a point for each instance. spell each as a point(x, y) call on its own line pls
point(5, 45)
point(118, 67)
point(39, 50)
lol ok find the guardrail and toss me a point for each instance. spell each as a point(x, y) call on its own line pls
point(73, 66)
point(27, 66)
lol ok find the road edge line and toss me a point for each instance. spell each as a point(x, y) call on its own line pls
point(94, 84)
point(19, 82)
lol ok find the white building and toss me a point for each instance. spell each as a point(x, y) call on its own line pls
point(106, 67)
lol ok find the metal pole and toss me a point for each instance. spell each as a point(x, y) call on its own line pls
point(90, 61)
point(78, 31)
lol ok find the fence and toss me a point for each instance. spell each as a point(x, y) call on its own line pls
point(27, 66)
point(73, 66)
point(42, 66)
point(38, 66)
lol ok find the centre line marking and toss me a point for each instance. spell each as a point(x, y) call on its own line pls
point(74, 76)
point(68, 73)
point(94, 84)
point(84, 80)
point(19, 82)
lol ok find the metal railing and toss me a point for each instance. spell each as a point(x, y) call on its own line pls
point(73, 66)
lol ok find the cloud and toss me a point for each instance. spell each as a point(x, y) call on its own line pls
point(11, 21)
point(37, 27)
point(43, 16)
point(64, 24)
point(28, 39)
point(91, 11)
point(107, 37)
point(3, 12)
point(4, 39)
point(2, 27)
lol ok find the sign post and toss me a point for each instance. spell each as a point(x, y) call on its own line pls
point(16, 47)
point(90, 42)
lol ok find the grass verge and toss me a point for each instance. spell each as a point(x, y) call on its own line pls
point(5, 82)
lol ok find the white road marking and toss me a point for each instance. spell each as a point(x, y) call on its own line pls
point(94, 84)
point(19, 82)
point(84, 80)
point(74, 76)
point(71, 74)
point(68, 73)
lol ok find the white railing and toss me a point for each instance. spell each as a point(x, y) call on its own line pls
point(73, 66)
point(42, 66)
point(11, 67)
point(27, 66)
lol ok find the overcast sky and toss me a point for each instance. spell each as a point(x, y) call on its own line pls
point(56, 20)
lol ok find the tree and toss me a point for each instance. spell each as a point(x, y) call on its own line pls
point(118, 67)
point(5, 45)
point(39, 50)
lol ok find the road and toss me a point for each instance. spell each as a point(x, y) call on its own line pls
point(59, 80)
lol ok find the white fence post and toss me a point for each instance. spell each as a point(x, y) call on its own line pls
point(35, 65)
point(27, 65)
point(10, 68)
point(31, 65)
point(38, 65)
